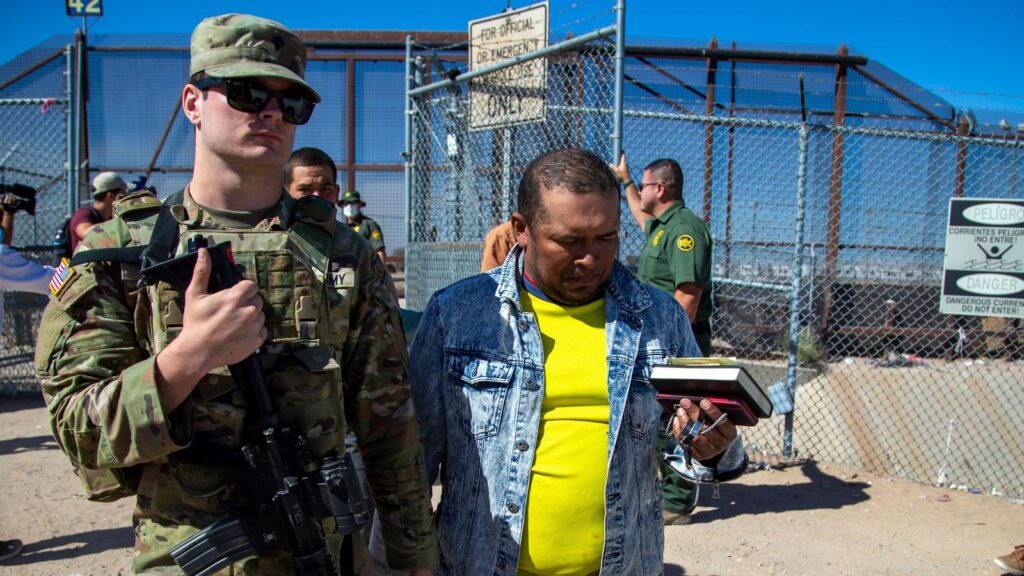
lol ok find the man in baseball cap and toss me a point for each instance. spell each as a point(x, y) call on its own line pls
point(140, 395)
point(106, 188)
point(105, 182)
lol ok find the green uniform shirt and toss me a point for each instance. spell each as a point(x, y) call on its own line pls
point(369, 229)
point(678, 251)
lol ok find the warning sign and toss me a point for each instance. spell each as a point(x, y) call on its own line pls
point(983, 270)
point(516, 94)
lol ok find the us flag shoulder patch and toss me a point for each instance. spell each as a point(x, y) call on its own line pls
point(61, 276)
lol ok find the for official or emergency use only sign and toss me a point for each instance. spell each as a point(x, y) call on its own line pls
point(983, 271)
point(513, 95)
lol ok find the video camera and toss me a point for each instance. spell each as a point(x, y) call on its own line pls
point(14, 197)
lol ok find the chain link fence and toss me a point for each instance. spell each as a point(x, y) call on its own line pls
point(33, 151)
point(897, 387)
point(464, 177)
point(828, 267)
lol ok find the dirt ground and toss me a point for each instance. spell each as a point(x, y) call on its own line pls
point(812, 518)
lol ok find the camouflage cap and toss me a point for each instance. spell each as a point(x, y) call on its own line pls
point(351, 197)
point(240, 45)
point(105, 182)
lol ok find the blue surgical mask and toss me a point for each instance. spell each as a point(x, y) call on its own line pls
point(350, 210)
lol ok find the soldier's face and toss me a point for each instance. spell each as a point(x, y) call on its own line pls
point(250, 137)
point(571, 245)
point(315, 180)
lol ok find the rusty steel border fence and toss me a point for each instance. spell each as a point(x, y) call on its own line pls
point(828, 268)
point(828, 252)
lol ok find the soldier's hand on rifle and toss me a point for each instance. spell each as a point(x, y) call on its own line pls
point(217, 330)
point(227, 326)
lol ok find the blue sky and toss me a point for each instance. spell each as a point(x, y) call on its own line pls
point(970, 53)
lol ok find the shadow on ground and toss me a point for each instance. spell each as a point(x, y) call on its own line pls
point(72, 546)
point(13, 445)
point(23, 400)
point(820, 492)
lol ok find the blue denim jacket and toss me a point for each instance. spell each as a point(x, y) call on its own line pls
point(477, 364)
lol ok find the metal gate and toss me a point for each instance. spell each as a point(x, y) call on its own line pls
point(463, 178)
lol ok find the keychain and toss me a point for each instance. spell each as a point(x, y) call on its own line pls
point(690, 431)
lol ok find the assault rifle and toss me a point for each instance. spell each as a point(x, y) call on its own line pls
point(291, 501)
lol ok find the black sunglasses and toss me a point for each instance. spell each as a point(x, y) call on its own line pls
point(248, 95)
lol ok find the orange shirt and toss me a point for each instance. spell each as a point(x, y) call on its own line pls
point(497, 245)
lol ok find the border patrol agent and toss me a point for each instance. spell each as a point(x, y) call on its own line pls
point(135, 376)
point(677, 260)
point(352, 208)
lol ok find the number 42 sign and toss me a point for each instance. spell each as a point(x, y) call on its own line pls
point(84, 7)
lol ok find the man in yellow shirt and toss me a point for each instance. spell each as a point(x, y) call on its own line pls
point(532, 388)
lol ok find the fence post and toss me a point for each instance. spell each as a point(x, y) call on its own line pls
point(730, 165)
point(620, 54)
point(81, 117)
point(508, 188)
point(69, 120)
point(797, 277)
point(709, 131)
point(835, 193)
point(350, 114)
point(407, 152)
point(963, 128)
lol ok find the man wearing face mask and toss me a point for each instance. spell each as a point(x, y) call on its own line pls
point(351, 206)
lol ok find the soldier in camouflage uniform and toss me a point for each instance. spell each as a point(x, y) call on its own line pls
point(137, 387)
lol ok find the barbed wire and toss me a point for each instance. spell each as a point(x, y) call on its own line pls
point(579, 21)
point(984, 94)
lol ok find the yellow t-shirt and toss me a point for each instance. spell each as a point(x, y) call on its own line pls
point(564, 532)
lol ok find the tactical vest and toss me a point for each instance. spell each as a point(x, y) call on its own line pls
point(299, 283)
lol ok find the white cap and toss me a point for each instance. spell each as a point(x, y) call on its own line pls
point(105, 182)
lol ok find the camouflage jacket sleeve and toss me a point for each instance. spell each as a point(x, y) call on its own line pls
point(379, 410)
point(98, 381)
